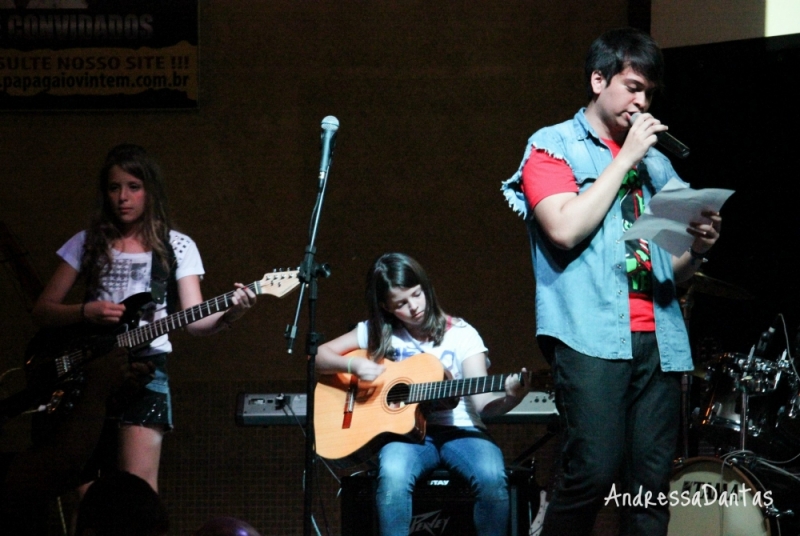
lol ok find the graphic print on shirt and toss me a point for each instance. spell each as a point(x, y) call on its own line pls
point(125, 278)
point(637, 255)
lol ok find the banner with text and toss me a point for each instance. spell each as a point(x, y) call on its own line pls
point(98, 55)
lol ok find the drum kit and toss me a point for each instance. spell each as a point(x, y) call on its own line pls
point(739, 470)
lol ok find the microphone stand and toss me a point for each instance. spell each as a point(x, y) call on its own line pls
point(310, 271)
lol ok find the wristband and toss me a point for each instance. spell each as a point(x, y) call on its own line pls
point(83, 312)
point(697, 258)
point(349, 361)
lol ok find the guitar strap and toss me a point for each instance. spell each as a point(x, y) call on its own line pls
point(163, 285)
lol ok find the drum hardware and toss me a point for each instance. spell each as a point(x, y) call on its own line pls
point(686, 387)
point(794, 406)
point(758, 377)
point(743, 389)
point(686, 304)
point(774, 513)
point(787, 427)
point(723, 416)
point(744, 423)
point(749, 388)
point(699, 282)
point(755, 465)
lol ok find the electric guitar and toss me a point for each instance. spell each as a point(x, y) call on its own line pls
point(353, 420)
point(55, 354)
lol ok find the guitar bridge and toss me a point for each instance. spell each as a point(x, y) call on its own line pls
point(350, 401)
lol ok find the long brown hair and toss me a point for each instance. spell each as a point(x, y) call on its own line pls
point(398, 270)
point(104, 228)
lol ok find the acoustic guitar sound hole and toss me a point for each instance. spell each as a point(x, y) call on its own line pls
point(397, 397)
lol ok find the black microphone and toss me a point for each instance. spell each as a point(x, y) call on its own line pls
point(328, 141)
point(668, 142)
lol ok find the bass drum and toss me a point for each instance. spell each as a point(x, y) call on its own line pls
point(709, 498)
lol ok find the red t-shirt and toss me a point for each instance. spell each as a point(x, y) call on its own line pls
point(544, 175)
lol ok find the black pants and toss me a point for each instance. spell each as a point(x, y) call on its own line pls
point(621, 420)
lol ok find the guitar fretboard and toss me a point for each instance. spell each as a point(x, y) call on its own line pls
point(420, 392)
point(144, 334)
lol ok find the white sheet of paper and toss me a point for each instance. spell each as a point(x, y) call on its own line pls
point(669, 213)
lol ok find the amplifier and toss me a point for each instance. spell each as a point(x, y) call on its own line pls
point(538, 407)
point(442, 504)
point(259, 409)
point(272, 408)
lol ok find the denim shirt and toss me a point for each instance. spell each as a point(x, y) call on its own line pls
point(582, 294)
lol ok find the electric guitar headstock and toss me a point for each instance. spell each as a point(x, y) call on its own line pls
point(278, 283)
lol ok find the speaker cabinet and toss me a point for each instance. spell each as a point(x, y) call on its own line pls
point(442, 505)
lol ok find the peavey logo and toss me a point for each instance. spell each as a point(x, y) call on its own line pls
point(430, 522)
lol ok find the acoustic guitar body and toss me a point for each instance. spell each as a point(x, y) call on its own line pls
point(374, 420)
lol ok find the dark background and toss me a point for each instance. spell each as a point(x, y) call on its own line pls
point(734, 106)
point(436, 102)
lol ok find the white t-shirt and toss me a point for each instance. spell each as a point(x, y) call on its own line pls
point(130, 274)
point(460, 342)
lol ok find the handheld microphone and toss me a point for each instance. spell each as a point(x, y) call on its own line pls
point(668, 142)
point(328, 141)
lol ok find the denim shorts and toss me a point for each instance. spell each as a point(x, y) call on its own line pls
point(152, 405)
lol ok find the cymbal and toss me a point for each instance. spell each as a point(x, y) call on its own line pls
point(700, 282)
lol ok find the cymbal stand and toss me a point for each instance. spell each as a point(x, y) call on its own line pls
point(687, 302)
point(743, 424)
point(743, 384)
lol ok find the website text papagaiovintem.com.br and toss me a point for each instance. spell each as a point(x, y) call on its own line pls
point(34, 84)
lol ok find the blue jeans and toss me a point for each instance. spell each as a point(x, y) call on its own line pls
point(620, 419)
point(466, 451)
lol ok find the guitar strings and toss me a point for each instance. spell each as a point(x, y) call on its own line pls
point(446, 389)
point(148, 332)
point(143, 334)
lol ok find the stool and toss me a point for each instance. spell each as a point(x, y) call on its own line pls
point(442, 504)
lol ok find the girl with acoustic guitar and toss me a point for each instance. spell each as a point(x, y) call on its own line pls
point(130, 248)
point(405, 320)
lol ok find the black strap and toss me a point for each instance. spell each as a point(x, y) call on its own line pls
point(163, 285)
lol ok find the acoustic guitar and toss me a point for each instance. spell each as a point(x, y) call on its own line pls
point(353, 420)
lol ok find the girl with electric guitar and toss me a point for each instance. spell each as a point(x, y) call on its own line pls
point(406, 320)
point(129, 249)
